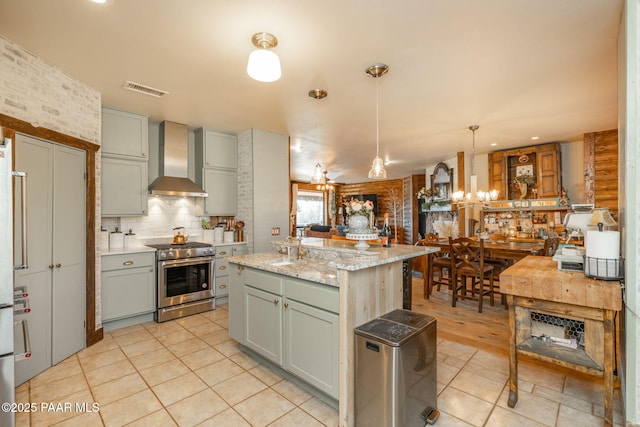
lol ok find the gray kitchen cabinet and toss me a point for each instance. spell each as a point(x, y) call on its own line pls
point(221, 186)
point(216, 165)
point(222, 267)
point(216, 150)
point(56, 246)
point(124, 133)
point(128, 285)
point(124, 174)
point(291, 322)
point(125, 186)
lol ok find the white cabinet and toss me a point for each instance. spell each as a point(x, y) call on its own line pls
point(291, 322)
point(124, 174)
point(124, 187)
point(222, 266)
point(216, 164)
point(128, 285)
point(56, 248)
point(125, 134)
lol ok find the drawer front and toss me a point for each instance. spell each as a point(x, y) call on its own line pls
point(222, 267)
point(239, 249)
point(266, 281)
point(313, 294)
point(222, 286)
point(224, 251)
point(124, 261)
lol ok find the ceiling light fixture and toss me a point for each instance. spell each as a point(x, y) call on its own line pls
point(328, 184)
point(474, 197)
point(377, 167)
point(318, 93)
point(264, 65)
point(318, 177)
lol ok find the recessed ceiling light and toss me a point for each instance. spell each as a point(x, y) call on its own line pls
point(99, 1)
point(535, 137)
point(493, 144)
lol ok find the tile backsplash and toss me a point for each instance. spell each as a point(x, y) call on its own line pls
point(165, 213)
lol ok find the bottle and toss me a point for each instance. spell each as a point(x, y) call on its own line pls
point(386, 232)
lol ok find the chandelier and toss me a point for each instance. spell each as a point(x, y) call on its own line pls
point(318, 176)
point(327, 185)
point(475, 196)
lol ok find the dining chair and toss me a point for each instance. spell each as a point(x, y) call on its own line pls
point(468, 258)
point(499, 265)
point(439, 261)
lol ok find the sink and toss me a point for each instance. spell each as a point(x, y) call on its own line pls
point(281, 263)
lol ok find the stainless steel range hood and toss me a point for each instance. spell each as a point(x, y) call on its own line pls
point(173, 164)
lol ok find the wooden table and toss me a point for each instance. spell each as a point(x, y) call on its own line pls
point(535, 284)
point(510, 251)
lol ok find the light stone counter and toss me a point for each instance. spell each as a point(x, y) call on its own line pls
point(323, 258)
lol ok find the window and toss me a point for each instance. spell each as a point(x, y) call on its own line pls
point(310, 207)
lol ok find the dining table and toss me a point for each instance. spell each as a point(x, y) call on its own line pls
point(511, 251)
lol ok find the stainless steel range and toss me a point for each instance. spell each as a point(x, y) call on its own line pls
point(185, 277)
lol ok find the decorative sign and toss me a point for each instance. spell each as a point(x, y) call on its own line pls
point(524, 170)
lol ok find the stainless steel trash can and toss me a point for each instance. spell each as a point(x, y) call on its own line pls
point(396, 371)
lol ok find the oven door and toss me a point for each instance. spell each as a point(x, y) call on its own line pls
point(185, 280)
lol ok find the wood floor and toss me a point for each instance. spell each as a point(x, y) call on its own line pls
point(488, 330)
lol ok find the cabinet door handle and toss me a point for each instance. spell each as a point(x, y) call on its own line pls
point(223, 253)
point(51, 266)
point(127, 263)
point(275, 301)
point(222, 267)
point(223, 286)
point(144, 154)
point(58, 265)
point(286, 305)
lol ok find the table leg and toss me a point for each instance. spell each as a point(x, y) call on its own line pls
point(427, 275)
point(609, 366)
point(513, 355)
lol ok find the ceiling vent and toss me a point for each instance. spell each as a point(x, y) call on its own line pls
point(147, 90)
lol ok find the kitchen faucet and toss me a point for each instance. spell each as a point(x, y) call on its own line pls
point(299, 240)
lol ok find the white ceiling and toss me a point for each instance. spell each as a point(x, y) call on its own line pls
point(517, 68)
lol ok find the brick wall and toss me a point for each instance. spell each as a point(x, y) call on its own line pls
point(37, 93)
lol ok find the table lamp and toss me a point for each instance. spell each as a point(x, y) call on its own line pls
point(602, 216)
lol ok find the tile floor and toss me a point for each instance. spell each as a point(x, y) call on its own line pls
point(189, 372)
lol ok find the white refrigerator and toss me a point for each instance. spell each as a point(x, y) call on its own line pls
point(10, 298)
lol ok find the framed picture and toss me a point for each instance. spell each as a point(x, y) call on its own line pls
point(524, 170)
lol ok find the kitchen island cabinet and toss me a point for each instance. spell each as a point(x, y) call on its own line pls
point(364, 284)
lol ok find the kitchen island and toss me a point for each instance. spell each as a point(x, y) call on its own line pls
point(300, 314)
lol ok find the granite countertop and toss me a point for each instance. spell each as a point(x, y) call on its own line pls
point(324, 257)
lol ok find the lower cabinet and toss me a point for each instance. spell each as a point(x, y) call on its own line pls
point(128, 285)
point(222, 266)
point(293, 323)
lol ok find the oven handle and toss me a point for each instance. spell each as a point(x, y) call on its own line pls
point(185, 261)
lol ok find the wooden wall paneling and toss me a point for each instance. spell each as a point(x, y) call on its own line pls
point(383, 189)
point(412, 184)
point(601, 169)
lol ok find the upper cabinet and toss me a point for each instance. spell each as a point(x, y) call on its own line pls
point(216, 157)
point(536, 170)
point(125, 134)
point(124, 172)
point(216, 150)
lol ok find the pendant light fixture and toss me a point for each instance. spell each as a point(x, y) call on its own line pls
point(474, 197)
point(264, 64)
point(318, 177)
point(377, 167)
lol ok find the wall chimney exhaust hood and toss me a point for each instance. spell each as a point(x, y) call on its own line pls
point(172, 168)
